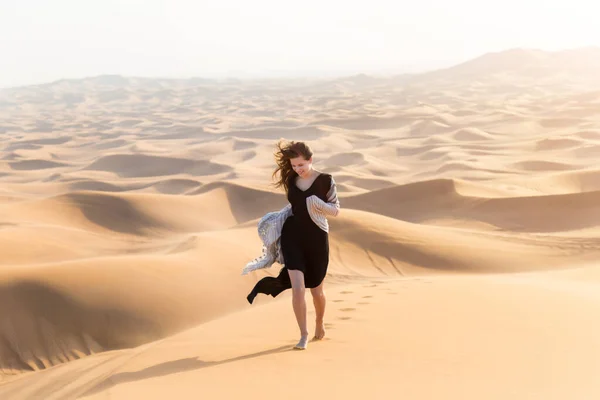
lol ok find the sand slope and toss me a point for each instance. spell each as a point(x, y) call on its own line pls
point(464, 264)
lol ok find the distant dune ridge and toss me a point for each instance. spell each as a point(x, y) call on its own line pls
point(464, 264)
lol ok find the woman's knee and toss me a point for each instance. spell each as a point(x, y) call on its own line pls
point(318, 291)
point(298, 293)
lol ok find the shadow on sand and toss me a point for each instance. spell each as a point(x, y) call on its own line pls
point(175, 366)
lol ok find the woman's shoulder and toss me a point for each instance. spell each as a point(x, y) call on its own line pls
point(327, 177)
point(325, 181)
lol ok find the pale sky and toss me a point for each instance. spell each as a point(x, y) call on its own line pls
point(46, 40)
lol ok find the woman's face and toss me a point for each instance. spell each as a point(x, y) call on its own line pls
point(301, 166)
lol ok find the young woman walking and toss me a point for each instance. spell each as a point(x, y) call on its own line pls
point(304, 240)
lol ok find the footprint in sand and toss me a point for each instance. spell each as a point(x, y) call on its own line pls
point(363, 302)
point(337, 300)
point(347, 309)
point(346, 292)
point(367, 297)
point(344, 318)
point(329, 326)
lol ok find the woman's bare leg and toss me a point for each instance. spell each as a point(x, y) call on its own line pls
point(319, 301)
point(299, 304)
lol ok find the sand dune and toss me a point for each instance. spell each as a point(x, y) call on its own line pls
point(464, 264)
point(372, 246)
point(588, 135)
point(98, 186)
point(132, 166)
point(130, 214)
point(375, 245)
point(35, 164)
point(425, 128)
point(557, 144)
point(471, 134)
point(430, 200)
point(586, 151)
point(559, 182)
point(111, 144)
point(542, 165)
point(465, 345)
point(109, 303)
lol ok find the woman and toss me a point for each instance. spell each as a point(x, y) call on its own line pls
point(304, 237)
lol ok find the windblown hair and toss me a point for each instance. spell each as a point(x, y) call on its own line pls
point(285, 152)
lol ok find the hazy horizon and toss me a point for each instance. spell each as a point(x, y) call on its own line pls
point(180, 39)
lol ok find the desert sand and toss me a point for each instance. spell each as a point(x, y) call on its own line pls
point(464, 263)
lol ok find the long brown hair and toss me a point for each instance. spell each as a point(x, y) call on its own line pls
point(285, 152)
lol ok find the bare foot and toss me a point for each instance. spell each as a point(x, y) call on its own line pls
point(319, 331)
point(303, 343)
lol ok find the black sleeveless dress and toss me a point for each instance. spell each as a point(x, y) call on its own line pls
point(305, 246)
